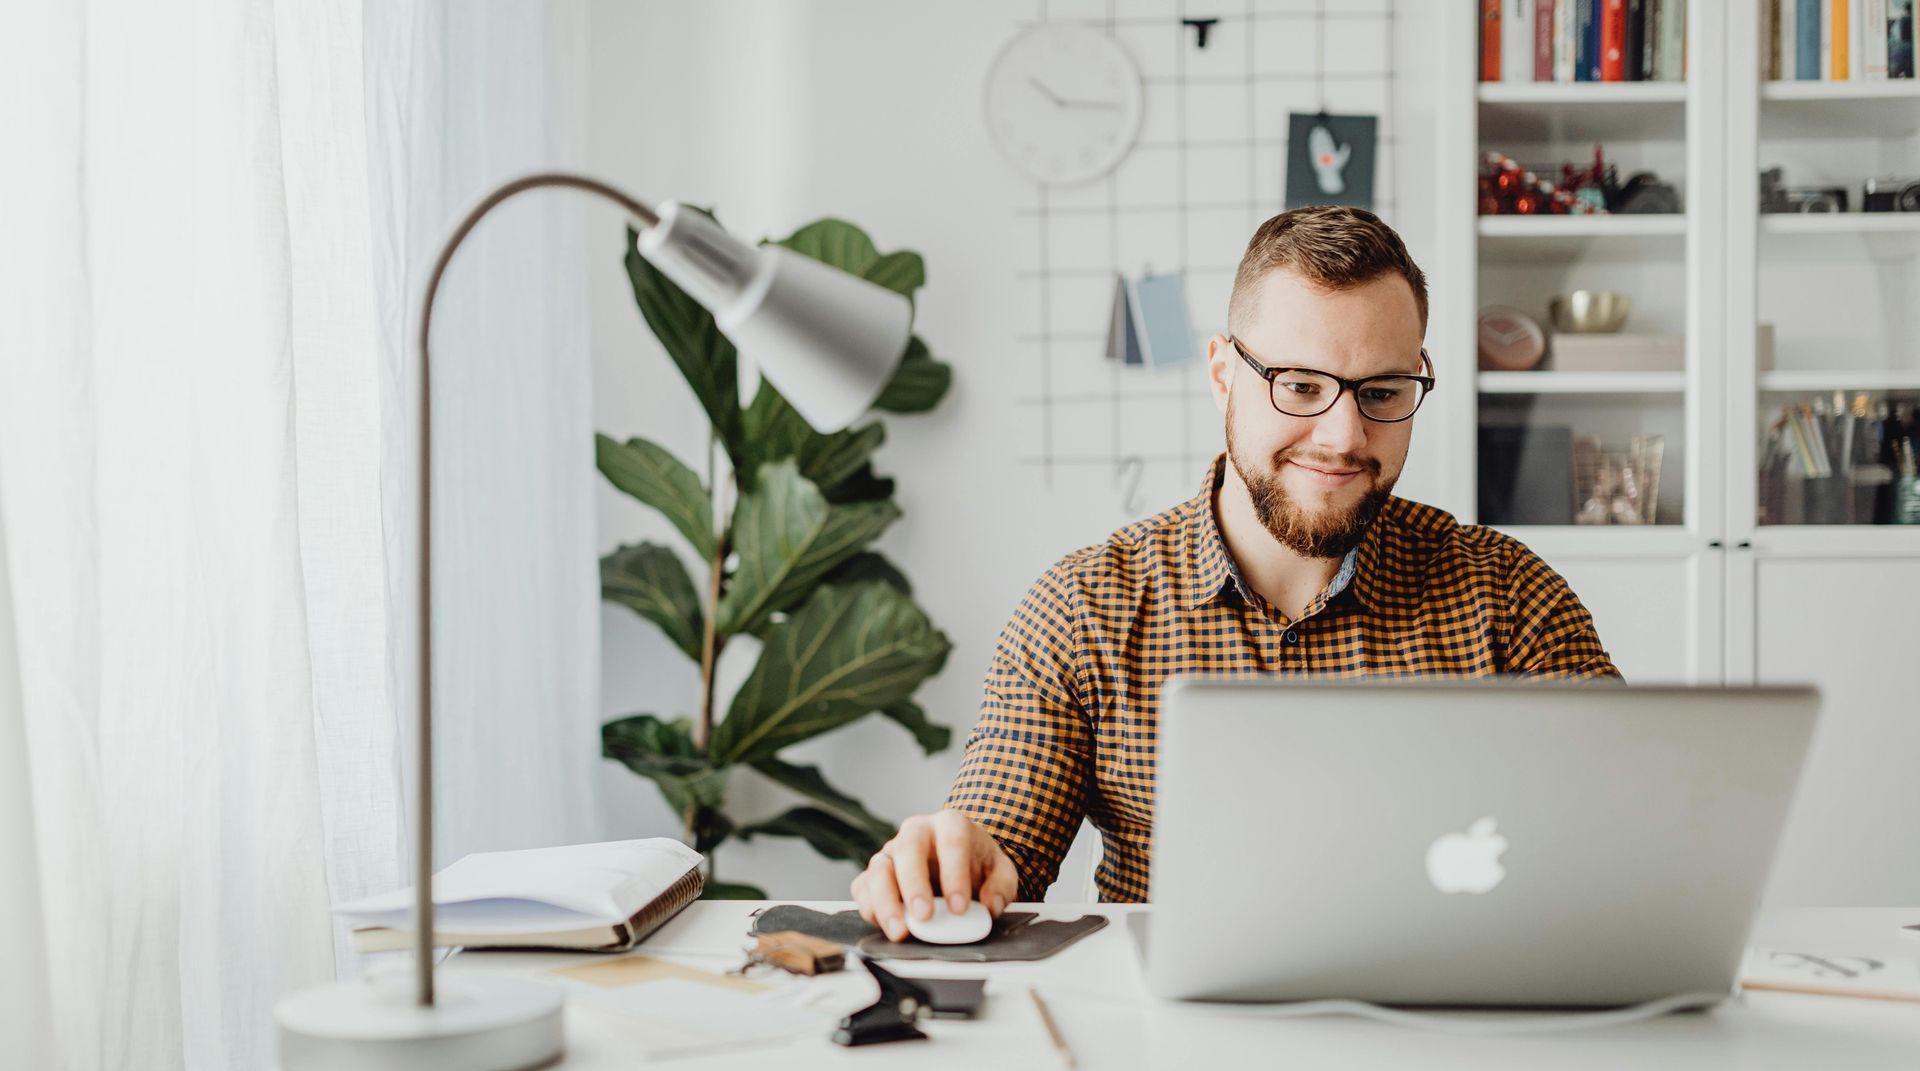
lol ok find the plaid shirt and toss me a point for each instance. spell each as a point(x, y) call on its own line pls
point(1067, 724)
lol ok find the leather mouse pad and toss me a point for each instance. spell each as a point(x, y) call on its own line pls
point(1016, 936)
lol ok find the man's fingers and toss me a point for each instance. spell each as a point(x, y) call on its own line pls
point(911, 866)
point(883, 898)
point(1003, 881)
point(953, 851)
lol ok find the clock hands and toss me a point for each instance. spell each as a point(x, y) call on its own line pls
point(1063, 102)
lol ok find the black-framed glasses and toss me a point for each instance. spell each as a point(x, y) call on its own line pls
point(1308, 392)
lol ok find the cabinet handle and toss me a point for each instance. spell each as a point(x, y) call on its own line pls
point(1744, 544)
point(1714, 544)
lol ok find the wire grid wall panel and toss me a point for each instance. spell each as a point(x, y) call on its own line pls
point(1208, 167)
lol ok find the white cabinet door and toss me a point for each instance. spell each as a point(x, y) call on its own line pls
point(1657, 609)
point(1848, 625)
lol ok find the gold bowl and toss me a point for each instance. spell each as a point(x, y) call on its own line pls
point(1589, 312)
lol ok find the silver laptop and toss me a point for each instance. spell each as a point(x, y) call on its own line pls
point(1463, 843)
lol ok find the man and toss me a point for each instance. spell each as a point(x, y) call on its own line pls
point(1295, 557)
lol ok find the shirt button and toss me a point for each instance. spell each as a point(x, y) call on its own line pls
point(1292, 636)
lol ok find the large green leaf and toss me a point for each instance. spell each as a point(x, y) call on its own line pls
point(693, 340)
point(649, 579)
point(788, 536)
point(931, 736)
point(862, 486)
point(775, 430)
point(807, 781)
point(651, 474)
point(918, 383)
point(868, 565)
point(663, 752)
point(847, 247)
point(847, 652)
point(902, 272)
point(836, 242)
point(830, 835)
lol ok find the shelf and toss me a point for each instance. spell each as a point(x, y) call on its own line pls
point(1882, 108)
point(1608, 540)
point(1839, 223)
point(1815, 382)
point(1523, 112)
point(1836, 541)
point(1563, 237)
point(1550, 382)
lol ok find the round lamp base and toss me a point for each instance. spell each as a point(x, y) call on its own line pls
point(477, 1023)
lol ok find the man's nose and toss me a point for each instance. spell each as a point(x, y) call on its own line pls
point(1341, 430)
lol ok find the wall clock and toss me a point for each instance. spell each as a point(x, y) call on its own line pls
point(1064, 103)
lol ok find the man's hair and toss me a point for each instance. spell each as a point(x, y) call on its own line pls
point(1330, 246)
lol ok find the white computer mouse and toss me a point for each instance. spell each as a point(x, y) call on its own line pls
point(946, 928)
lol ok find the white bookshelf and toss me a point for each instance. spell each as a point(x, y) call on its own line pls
point(1550, 382)
point(1715, 597)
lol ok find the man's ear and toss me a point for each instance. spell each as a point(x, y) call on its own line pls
point(1221, 362)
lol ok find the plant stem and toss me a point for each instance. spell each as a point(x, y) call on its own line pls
point(709, 638)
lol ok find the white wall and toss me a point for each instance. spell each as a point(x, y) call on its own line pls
point(779, 113)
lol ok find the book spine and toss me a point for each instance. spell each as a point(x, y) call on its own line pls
point(1587, 41)
point(670, 903)
point(1543, 41)
point(1769, 40)
point(1636, 50)
point(1856, 39)
point(1789, 44)
point(1899, 38)
point(1808, 18)
point(1489, 40)
point(1613, 42)
point(1516, 41)
point(1673, 40)
point(1833, 40)
point(1566, 55)
point(1873, 39)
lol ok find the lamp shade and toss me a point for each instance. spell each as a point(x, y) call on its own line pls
point(829, 341)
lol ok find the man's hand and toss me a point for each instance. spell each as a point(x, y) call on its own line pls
point(946, 849)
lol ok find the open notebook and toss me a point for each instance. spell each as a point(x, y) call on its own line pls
point(600, 897)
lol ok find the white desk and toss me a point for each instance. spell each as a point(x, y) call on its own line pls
point(1100, 1001)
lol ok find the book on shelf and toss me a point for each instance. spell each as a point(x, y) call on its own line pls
point(1836, 40)
point(1516, 43)
point(1582, 40)
point(1569, 352)
point(1490, 31)
point(603, 897)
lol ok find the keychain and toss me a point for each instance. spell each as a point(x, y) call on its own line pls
point(795, 953)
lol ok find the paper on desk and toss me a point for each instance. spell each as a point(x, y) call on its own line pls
point(1841, 976)
point(639, 970)
point(674, 1016)
point(539, 890)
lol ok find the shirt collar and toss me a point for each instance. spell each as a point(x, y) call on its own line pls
point(1215, 573)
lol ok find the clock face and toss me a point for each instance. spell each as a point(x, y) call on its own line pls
point(1064, 103)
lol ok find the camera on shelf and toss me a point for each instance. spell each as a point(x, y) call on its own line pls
point(1776, 196)
point(1890, 195)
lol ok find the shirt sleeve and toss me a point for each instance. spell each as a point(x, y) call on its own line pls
point(1551, 634)
point(1028, 760)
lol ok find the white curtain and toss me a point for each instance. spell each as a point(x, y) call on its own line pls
point(214, 218)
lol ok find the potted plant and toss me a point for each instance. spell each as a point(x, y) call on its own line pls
point(791, 565)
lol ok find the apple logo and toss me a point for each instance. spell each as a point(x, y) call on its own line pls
point(1467, 862)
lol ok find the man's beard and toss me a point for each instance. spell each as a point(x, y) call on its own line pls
point(1324, 534)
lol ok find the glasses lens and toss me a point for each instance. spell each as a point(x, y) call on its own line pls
point(1301, 393)
point(1390, 397)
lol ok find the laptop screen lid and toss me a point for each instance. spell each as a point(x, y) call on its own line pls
point(1499, 842)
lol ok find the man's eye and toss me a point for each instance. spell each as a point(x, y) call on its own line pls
point(1382, 394)
point(1304, 390)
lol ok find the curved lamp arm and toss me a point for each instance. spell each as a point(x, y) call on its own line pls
point(827, 340)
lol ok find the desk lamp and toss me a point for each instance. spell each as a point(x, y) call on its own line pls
point(828, 341)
